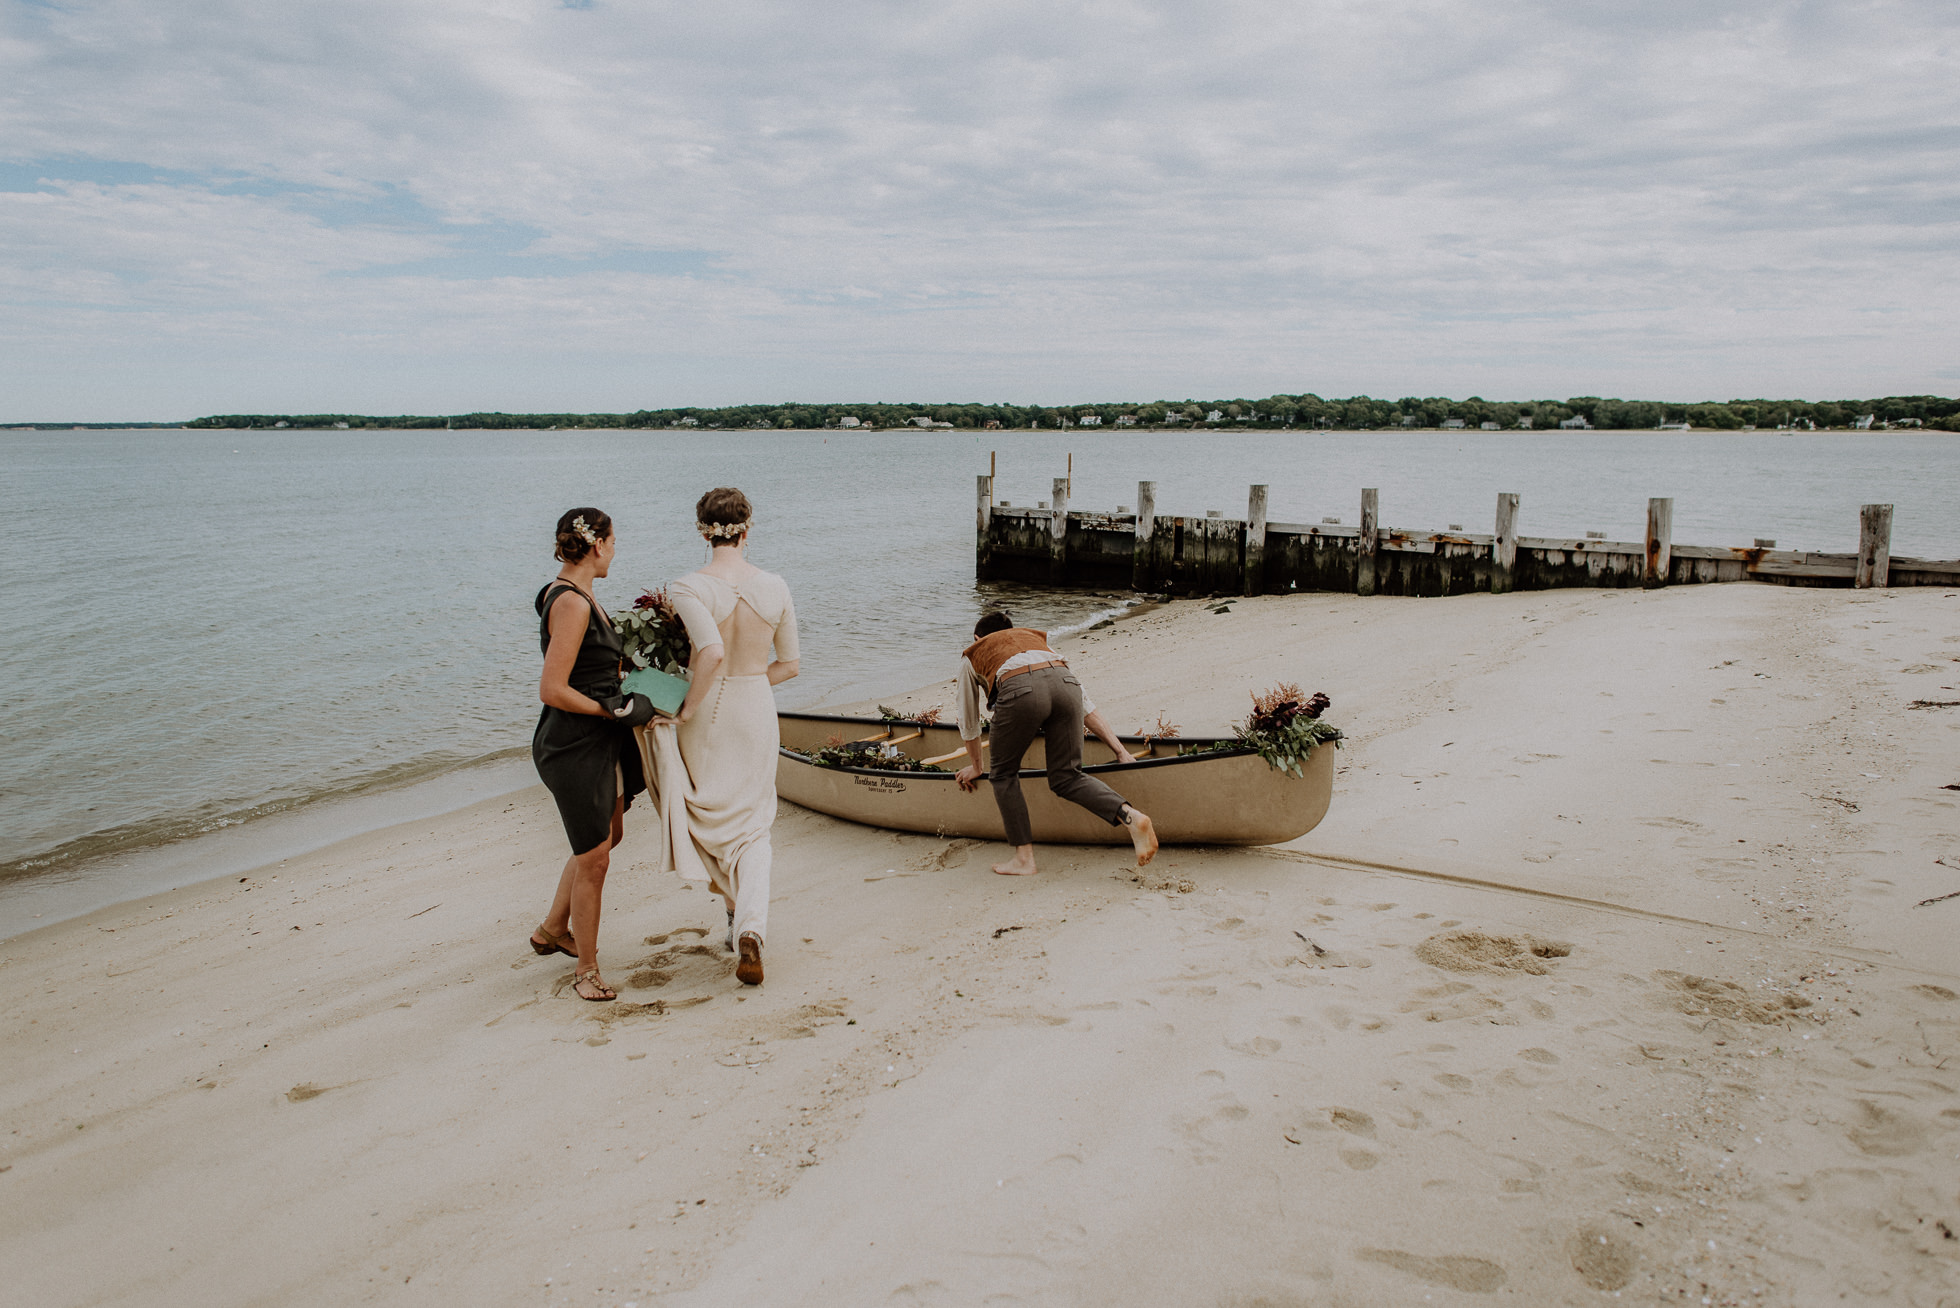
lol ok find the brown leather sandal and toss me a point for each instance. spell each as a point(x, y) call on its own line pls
point(553, 944)
point(749, 970)
point(607, 993)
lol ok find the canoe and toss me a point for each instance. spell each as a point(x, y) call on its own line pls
point(1229, 797)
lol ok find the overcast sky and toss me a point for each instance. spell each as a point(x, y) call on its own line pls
point(531, 205)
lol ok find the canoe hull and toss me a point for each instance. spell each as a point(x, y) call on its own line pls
point(1218, 799)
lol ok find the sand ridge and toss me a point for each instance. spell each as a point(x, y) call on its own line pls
point(1230, 1079)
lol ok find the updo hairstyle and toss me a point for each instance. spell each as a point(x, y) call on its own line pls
point(724, 506)
point(572, 544)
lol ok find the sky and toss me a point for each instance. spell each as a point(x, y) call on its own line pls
point(607, 205)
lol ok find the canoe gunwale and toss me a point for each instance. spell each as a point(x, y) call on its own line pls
point(1205, 757)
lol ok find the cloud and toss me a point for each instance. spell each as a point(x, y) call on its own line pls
point(536, 205)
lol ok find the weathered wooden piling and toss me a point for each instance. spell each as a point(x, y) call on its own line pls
point(1155, 554)
point(1874, 546)
point(983, 520)
point(1367, 546)
point(1504, 545)
point(1255, 541)
point(1660, 543)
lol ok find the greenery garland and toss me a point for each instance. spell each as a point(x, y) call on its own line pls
point(866, 754)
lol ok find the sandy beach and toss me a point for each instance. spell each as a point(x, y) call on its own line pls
point(1620, 968)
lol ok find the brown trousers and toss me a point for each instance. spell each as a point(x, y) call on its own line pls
point(1047, 703)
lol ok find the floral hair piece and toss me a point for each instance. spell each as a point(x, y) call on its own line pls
point(584, 532)
point(724, 530)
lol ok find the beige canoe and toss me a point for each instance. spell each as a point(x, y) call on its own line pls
point(1194, 799)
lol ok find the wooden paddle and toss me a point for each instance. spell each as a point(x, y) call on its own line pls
point(956, 753)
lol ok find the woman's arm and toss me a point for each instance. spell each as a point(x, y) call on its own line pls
point(788, 656)
point(566, 622)
point(701, 668)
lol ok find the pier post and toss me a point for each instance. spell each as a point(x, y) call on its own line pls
point(1368, 543)
point(1058, 533)
point(1504, 545)
point(1874, 546)
point(1143, 560)
point(1660, 543)
point(983, 517)
point(1255, 541)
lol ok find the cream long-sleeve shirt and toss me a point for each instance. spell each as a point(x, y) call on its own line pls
point(973, 695)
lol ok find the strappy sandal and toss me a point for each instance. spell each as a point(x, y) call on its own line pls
point(592, 978)
point(553, 944)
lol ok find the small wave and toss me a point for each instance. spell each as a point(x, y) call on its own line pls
point(1099, 616)
point(210, 818)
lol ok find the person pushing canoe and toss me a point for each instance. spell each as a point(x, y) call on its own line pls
point(1032, 693)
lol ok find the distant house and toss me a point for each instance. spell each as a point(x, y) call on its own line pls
point(920, 422)
point(1126, 420)
point(1409, 420)
point(339, 426)
point(1174, 417)
point(281, 423)
point(1524, 424)
point(1864, 423)
point(1675, 426)
point(688, 422)
point(1454, 423)
point(1909, 422)
point(849, 422)
point(1487, 426)
point(1214, 416)
point(1245, 417)
point(992, 424)
point(1089, 419)
point(1577, 422)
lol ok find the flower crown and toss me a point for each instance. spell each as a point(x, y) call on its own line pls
point(724, 530)
point(584, 532)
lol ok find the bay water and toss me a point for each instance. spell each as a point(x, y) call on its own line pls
point(225, 646)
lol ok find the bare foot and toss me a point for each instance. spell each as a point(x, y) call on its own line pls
point(1021, 865)
point(1142, 835)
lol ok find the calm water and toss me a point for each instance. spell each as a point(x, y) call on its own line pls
point(210, 627)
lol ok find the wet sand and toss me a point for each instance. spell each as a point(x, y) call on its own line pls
point(1607, 972)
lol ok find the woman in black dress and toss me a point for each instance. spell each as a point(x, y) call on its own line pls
point(584, 745)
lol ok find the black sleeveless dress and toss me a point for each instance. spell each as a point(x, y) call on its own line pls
point(576, 753)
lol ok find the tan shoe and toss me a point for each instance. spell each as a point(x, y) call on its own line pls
point(749, 970)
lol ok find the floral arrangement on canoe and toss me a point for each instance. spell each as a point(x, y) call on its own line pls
point(652, 634)
point(1283, 728)
point(868, 754)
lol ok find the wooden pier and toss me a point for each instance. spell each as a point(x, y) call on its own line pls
point(1053, 544)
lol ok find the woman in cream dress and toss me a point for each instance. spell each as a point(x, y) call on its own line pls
point(714, 765)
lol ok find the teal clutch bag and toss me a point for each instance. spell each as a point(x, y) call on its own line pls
point(664, 688)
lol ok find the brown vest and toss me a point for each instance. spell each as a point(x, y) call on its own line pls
point(989, 652)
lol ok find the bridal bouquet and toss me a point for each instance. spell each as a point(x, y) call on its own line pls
point(652, 635)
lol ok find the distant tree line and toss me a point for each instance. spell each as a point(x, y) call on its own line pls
point(1358, 413)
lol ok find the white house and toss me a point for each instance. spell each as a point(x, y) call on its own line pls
point(1126, 420)
point(1454, 423)
point(1408, 420)
point(688, 422)
point(848, 422)
point(1488, 426)
point(1089, 419)
point(1214, 416)
point(1865, 423)
point(1576, 422)
point(1675, 426)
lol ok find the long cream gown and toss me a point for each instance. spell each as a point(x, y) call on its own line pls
point(714, 776)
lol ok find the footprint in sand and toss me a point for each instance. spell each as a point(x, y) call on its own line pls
point(1536, 1055)
point(1700, 996)
point(1602, 1259)
point(1934, 992)
point(1475, 951)
point(1476, 1275)
point(1885, 1133)
point(1353, 1121)
point(306, 1090)
point(1451, 1081)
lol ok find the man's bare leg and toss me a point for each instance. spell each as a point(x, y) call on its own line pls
point(1142, 834)
point(1021, 865)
